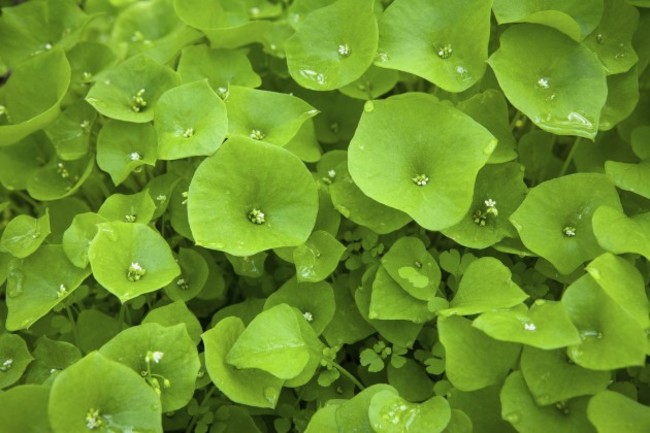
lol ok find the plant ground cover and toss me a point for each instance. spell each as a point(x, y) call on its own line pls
point(324, 216)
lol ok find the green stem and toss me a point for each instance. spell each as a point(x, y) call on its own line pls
point(569, 157)
point(195, 418)
point(347, 374)
point(75, 334)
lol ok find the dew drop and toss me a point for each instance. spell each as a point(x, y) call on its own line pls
point(577, 117)
point(591, 333)
point(343, 211)
point(543, 400)
point(312, 75)
point(382, 57)
point(600, 38)
point(271, 395)
point(513, 417)
point(15, 281)
point(369, 107)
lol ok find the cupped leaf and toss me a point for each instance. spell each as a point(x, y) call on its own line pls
point(97, 392)
point(610, 411)
point(483, 408)
point(130, 259)
point(129, 208)
point(348, 325)
point(174, 313)
point(486, 285)
point(621, 234)
point(499, 191)
point(70, 132)
point(612, 39)
point(272, 342)
point(221, 67)
point(270, 201)
point(51, 356)
point(252, 387)
point(31, 100)
point(24, 234)
point(14, 359)
point(470, 363)
point(124, 147)
point(545, 326)
point(78, 236)
point(409, 263)
point(193, 277)
point(519, 408)
point(24, 409)
point(352, 415)
point(611, 338)
point(552, 377)
point(165, 356)
point(444, 42)
point(390, 302)
point(559, 84)
point(315, 300)
point(268, 116)
point(394, 161)
point(554, 220)
point(317, 258)
point(38, 283)
point(622, 98)
point(630, 177)
point(59, 179)
point(390, 413)
point(21, 160)
point(374, 83)
point(190, 120)
point(575, 18)
point(130, 90)
point(334, 45)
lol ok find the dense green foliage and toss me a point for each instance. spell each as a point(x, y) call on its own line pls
point(324, 216)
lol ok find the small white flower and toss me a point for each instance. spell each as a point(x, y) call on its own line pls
point(7, 364)
point(343, 50)
point(135, 156)
point(308, 316)
point(157, 356)
point(490, 203)
point(331, 173)
point(530, 326)
point(543, 83)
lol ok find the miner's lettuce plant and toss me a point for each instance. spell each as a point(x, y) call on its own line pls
point(324, 216)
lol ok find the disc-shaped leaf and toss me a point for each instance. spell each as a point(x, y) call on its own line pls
point(59, 179)
point(20, 161)
point(272, 342)
point(559, 84)
point(390, 413)
point(610, 411)
point(270, 201)
point(409, 263)
point(97, 392)
point(129, 208)
point(611, 338)
point(24, 409)
point(545, 326)
point(78, 236)
point(193, 277)
point(14, 359)
point(470, 363)
point(334, 45)
point(252, 387)
point(575, 18)
point(174, 313)
point(130, 90)
point(622, 98)
point(486, 285)
point(24, 234)
point(123, 147)
point(222, 68)
point(31, 100)
point(263, 115)
point(70, 132)
point(444, 42)
point(372, 84)
point(630, 177)
point(390, 302)
point(50, 356)
point(190, 120)
point(552, 377)
point(499, 191)
point(483, 407)
point(621, 234)
point(352, 415)
point(394, 161)
point(317, 258)
point(130, 259)
point(348, 325)
point(165, 356)
point(38, 283)
point(519, 408)
point(554, 220)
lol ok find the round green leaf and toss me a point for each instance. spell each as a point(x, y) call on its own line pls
point(165, 356)
point(315, 300)
point(621, 234)
point(174, 313)
point(252, 387)
point(70, 132)
point(50, 356)
point(24, 409)
point(334, 45)
point(630, 177)
point(14, 359)
point(622, 98)
point(552, 377)
point(269, 202)
point(470, 360)
point(554, 220)
point(267, 116)
point(389, 413)
point(575, 18)
point(130, 259)
point(372, 84)
point(317, 258)
point(190, 120)
point(352, 415)
point(96, 392)
point(348, 325)
point(24, 234)
point(194, 275)
point(59, 179)
point(19, 161)
point(222, 68)
point(499, 191)
point(486, 285)
point(444, 42)
point(483, 408)
point(38, 283)
point(411, 380)
point(130, 208)
point(545, 326)
point(78, 236)
point(519, 409)
point(610, 337)
point(130, 90)
point(613, 412)
point(394, 162)
point(559, 84)
point(30, 99)
point(124, 147)
point(389, 301)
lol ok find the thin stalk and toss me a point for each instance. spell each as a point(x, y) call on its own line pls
point(75, 334)
point(349, 375)
point(195, 418)
point(569, 157)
